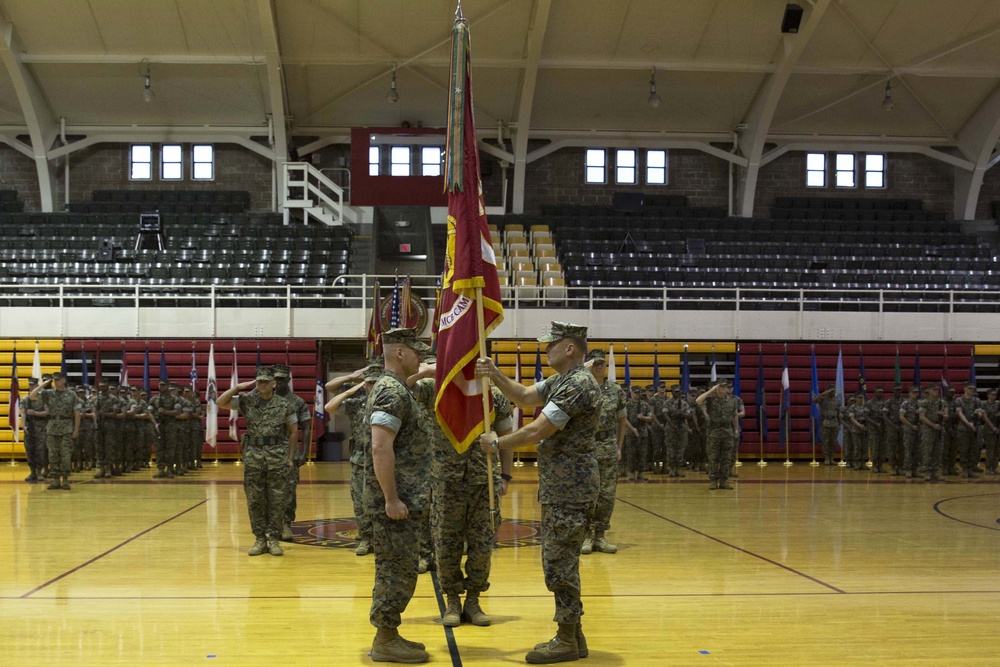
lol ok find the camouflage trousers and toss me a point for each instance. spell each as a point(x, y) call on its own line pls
point(990, 444)
point(166, 445)
point(829, 439)
point(657, 449)
point(636, 452)
point(83, 447)
point(878, 451)
point(460, 519)
point(855, 451)
point(60, 448)
point(35, 449)
point(677, 448)
point(720, 446)
point(911, 451)
point(563, 532)
point(291, 495)
point(949, 449)
point(968, 447)
point(265, 474)
point(608, 469)
point(426, 536)
point(396, 562)
point(930, 450)
point(112, 445)
point(696, 453)
point(363, 520)
point(894, 447)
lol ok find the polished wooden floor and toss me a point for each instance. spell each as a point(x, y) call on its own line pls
point(797, 566)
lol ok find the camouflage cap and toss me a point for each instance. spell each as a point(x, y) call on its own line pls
point(914, 387)
point(950, 389)
point(407, 337)
point(970, 383)
point(58, 375)
point(281, 370)
point(32, 380)
point(597, 355)
point(992, 392)
point(675, 388)
point(879, 390)
point(46, 376)
point(933, 386)
point(372, 372)
point(264, 373)
point(560, 330)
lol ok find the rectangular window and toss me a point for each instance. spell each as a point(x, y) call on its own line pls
point(374, 160)
point(203, 162)
point(141, 163)
point(596, 165)
point(171, 162)
point(656, 167)
point(430, 161)
point(816, 170)
point(875, 171)
point(625, 167)
point(399, 161)
point(845, 170)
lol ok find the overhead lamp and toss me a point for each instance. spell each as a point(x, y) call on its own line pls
point(147, 85)
point(392, 96)
point(654, 99)
point(887, 102)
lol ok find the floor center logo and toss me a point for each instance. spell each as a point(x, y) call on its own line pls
point(342, 533)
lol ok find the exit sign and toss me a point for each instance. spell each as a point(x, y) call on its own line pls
point(404, 247)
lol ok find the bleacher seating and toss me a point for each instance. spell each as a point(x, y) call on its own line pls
point(164, 201)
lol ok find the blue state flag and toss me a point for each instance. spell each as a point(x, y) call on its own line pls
point(840, 391)
point(784, 413)
point(685, 374)
point(813, 393)
point(760, 400)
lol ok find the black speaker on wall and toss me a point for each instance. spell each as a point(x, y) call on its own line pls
point(106, 251)
point(793, 17)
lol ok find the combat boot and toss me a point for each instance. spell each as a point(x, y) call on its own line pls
point(160, 474)
point(473, 613)
point(259, 547)
point(453, 614)
point(581, 641)
point(725, 485)
point(65, 484)
point(54, 486)
point(364, 548)
point(588, 544)
point(678, 473)
point(561, 648)
point(274, 548)
point(286, 533)
point(714, 485)
point(602, 545)
point(390, 647)
point(32, 477)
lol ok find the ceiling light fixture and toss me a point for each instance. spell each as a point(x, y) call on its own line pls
point(887, 102)
point(392, 96)
point(147, 85)
point(654, 99)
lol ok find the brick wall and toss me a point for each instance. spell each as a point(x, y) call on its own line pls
point(989, 194)
point(17, 172)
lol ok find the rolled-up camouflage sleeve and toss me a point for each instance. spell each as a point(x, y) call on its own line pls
point(388, 408)
point(504, 420)
point(568, 399)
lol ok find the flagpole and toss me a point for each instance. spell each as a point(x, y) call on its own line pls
point(788, 434)
point(481, 320)
point(760, 431)
point(17, 427)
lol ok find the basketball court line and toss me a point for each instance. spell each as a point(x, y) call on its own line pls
point(733, 546)
point(937, 508)
point(449, 633)
point(111, 550)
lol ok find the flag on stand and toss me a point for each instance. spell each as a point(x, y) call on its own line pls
point(470, 282)
point(944, 373)
point(840, 390)
point(518, 413)
point(123, 375)
point(97, 366)
point(288, 362)
point(234, 380)
point(628, 374)
point(395, 311)
point(374, 347)
point(194, 373)
point(211, 394)
point(711, 373)
point(36, 364)
point(408, 315)
point(538, 374)
point(897, 377)
point(761, 399)
point(736, 389)
point(145, 373)
point(612, 377)
point(862, 385)
point(685, 373)
point(785, 410)
point(656, 370)
point(14, 405)
point(916, 368)
point(813, 393)
point(258, 355)
point(164, 375)
point(972, 366)
point(435, 323)
point(84, 372)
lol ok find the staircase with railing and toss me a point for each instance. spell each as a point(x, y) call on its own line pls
point(311, 192)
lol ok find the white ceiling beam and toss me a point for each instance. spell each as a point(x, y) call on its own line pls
point(526, 98)
point(275, 96)
point(761, 113)
point(133, 58)
point(171, 136)
point(495, 151)
point(636, 143)
point(41, 122)
point(873, 145)
point(17, 145)
point(977, 140)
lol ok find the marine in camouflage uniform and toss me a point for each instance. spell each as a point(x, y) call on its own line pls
point(460, 506)
point(893, 430)
point(722, 409)
point(129, 429)
point(197, 430)
point(62, 428)
point(657, 442)
point(268, 449)
point(282, 376)
point(638, 412)
point(932, 414)
point(182, 433)
point(352, 402)
point(83, 448)
point(609, 439)
point(854, 435)
point(698, 439)
point(949, 444)
point(568, 474)
point(909, 419)
point(991, 429)
point(396, 494)
point(875, 423)
point(677, 412)
point(35, 414)
point(108, 409)
point(169, 414)
point(164, 457)
point(829, 414)
point(968, 409)
point(147, 427)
